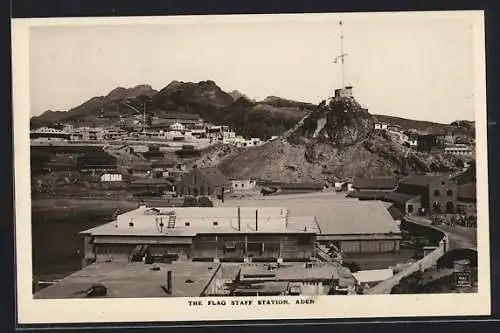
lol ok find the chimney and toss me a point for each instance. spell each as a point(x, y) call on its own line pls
point(239, 219)
point(256, 219)
point(169, 282)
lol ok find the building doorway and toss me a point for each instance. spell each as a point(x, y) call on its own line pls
point(436, 208)
point(450, 208)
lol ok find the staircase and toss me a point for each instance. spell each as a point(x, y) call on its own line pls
point(138, 253)
point(171, 221)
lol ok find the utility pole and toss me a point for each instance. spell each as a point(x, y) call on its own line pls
point(144, 115)
point(342, 54)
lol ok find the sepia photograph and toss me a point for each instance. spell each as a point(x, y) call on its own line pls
point(251, 167)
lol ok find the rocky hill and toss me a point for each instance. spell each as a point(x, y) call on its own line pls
point(336, 141)
point(97, 111)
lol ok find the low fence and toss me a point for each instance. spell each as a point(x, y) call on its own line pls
point(426, 262)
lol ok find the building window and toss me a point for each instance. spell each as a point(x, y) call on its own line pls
point(216, 223)
point(187, 224)
point(410, 209)
point(449, 193)
point(437, 193)
point(131, 224)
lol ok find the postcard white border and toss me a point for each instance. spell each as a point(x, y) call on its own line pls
point(32, 311)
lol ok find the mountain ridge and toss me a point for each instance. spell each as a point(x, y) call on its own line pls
point(274, 115)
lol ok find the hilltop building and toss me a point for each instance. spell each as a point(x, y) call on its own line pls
point(431, 142)
point(345, 92)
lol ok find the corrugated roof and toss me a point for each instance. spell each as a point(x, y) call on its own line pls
point(382, 183)
point(358, 217)
point(400, 198)
point(422, 180)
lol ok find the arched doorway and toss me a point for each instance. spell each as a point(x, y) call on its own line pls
point(450, 208)
point(436, 208)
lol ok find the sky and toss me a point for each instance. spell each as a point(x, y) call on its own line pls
point(401, 65)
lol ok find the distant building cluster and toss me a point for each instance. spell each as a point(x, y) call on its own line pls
point(440, 142)
point(171, 127)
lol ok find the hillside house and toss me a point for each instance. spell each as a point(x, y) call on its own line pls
point(410, 139)
point(431, 142)
point(458, 150)
point(345, 186)
point(111, 177)
point(177, 127)
point(438, 194)
point(87, 134)
point(204, 181)
point(380, 126)
point(241, 185)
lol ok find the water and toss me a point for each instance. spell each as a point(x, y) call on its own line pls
point(57, 246)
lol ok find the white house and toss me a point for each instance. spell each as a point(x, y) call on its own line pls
point(111, 177)
point(177, 127)
point(243, 184)
point(380, 126)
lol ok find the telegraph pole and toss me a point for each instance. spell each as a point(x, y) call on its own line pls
point(342, 54)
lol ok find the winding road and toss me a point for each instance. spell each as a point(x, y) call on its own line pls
point(459, 237)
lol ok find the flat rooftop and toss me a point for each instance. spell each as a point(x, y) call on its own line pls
point(190, 221)
point(134, 280)
point(335, 214)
